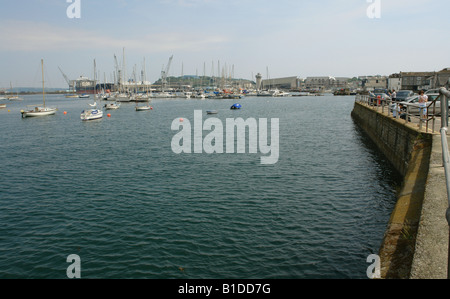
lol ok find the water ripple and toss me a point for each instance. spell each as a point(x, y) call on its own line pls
point(114, 193)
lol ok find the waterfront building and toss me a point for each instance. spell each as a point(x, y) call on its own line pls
point(441, 79)
point(282, 83)
point(319, 83)
point(395, 82)
point(417, 80)
point(375, 82)
point(342, 82)
point(327, 82)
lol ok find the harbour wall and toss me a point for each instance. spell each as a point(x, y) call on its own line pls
point(415, 242)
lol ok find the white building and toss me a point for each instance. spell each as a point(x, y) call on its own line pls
point(395, 82)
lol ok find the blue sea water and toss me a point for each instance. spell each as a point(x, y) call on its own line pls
point(113, 192)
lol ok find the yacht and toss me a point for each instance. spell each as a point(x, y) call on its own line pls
point(91, 114)
point(112, 106)
point(280, 93)
point(39, 111)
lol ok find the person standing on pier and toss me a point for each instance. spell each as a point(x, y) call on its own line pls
point(394, 95)
point(423, 99)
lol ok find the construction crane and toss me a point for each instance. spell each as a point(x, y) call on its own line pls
point(65, 77)
point(165, 73)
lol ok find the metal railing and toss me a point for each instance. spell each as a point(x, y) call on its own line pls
point(445, 95)
point(405, 112)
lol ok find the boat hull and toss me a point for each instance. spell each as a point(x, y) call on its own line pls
point(92, 114)
point(112, 107)
point(39, 112)
point(144, 108)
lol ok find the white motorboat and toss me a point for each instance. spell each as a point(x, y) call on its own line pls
point(112, 106)
point(91, 114)
point(264, 93)
point(280, 93)
point(40, 111)
point(2, 106)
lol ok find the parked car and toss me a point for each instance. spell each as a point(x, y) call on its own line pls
point(413, 103)
point(432, 91)
point(375, 96)
point(402, 95)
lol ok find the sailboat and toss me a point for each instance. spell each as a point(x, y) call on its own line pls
point(144, 97)
point(16, 97)
point(40, 111)
point(93, 113)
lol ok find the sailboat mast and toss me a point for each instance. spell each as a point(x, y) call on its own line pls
point(43, 86)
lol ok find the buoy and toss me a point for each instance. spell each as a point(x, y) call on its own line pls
point(65, 112)
point(9, 110)
point(181, 120)
point(151, 108)
point(109, 115)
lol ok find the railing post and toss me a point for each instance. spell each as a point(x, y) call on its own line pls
point(407, 114)
point(445, 157)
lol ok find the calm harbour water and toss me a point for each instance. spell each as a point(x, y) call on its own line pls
point(114, 193)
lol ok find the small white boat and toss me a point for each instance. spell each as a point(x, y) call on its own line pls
point(280, 93)
point(84, 96)
point(264, 93)
point(15, 98)
point(2, 106)
point(91, 114)
point(143, 108)
point(112, 106)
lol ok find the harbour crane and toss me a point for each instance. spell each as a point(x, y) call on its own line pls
point(165, 73)
point(65, 77)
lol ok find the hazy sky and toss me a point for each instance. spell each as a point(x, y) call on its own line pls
point(287, 37)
